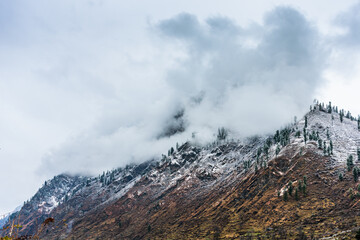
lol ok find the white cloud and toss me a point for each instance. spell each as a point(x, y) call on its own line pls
point(248, 90)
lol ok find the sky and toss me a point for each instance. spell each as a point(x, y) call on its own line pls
point(87, 86)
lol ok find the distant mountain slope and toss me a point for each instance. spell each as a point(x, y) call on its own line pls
point(4, 218)
point(271, 187)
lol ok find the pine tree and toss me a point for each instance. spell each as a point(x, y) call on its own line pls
point(304, 189)
point(291, 188)
point(331, 147)
point(299, 185)
point(329, 108)
point(296, 195)
point(277, 136)
point(306, 121)
point(348, 115)
point(356, 174)
point(320, 143)
point(349, 162)
point(285, 196)
point(341, 115)
point(358, 153)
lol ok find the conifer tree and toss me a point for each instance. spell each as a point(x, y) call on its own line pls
point(356, 174)
point(329, 108)
point(341, 115)
point(320, 143)
point(285, 196)
point(304, 189)
point(222, 134)
point(300, 185)
point(331, 147)
point(291, 188)
point(349, 162)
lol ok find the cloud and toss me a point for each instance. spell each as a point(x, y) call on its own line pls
point(349, 21)
point(265, 72)
point(251, 80)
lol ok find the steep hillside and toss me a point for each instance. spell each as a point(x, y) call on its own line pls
point(274, 187)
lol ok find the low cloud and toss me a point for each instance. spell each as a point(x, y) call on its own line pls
point(251, 80)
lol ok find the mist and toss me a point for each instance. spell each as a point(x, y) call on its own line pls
point(251, 80)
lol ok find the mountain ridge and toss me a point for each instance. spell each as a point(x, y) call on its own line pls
point(219, 191)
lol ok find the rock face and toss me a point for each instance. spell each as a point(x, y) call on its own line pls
point(274, 187)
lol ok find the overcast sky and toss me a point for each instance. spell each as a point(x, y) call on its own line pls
point(87, 86)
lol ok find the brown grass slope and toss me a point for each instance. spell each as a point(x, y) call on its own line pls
point(240, 207)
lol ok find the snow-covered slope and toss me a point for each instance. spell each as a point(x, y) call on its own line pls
point(192, 171)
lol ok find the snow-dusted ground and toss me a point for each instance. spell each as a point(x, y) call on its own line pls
point(206, 165)
point(344, 135)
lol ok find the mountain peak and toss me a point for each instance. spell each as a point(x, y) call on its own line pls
point(227, 188)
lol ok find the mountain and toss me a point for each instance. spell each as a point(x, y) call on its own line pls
point(5, 217)
point(284, 186)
